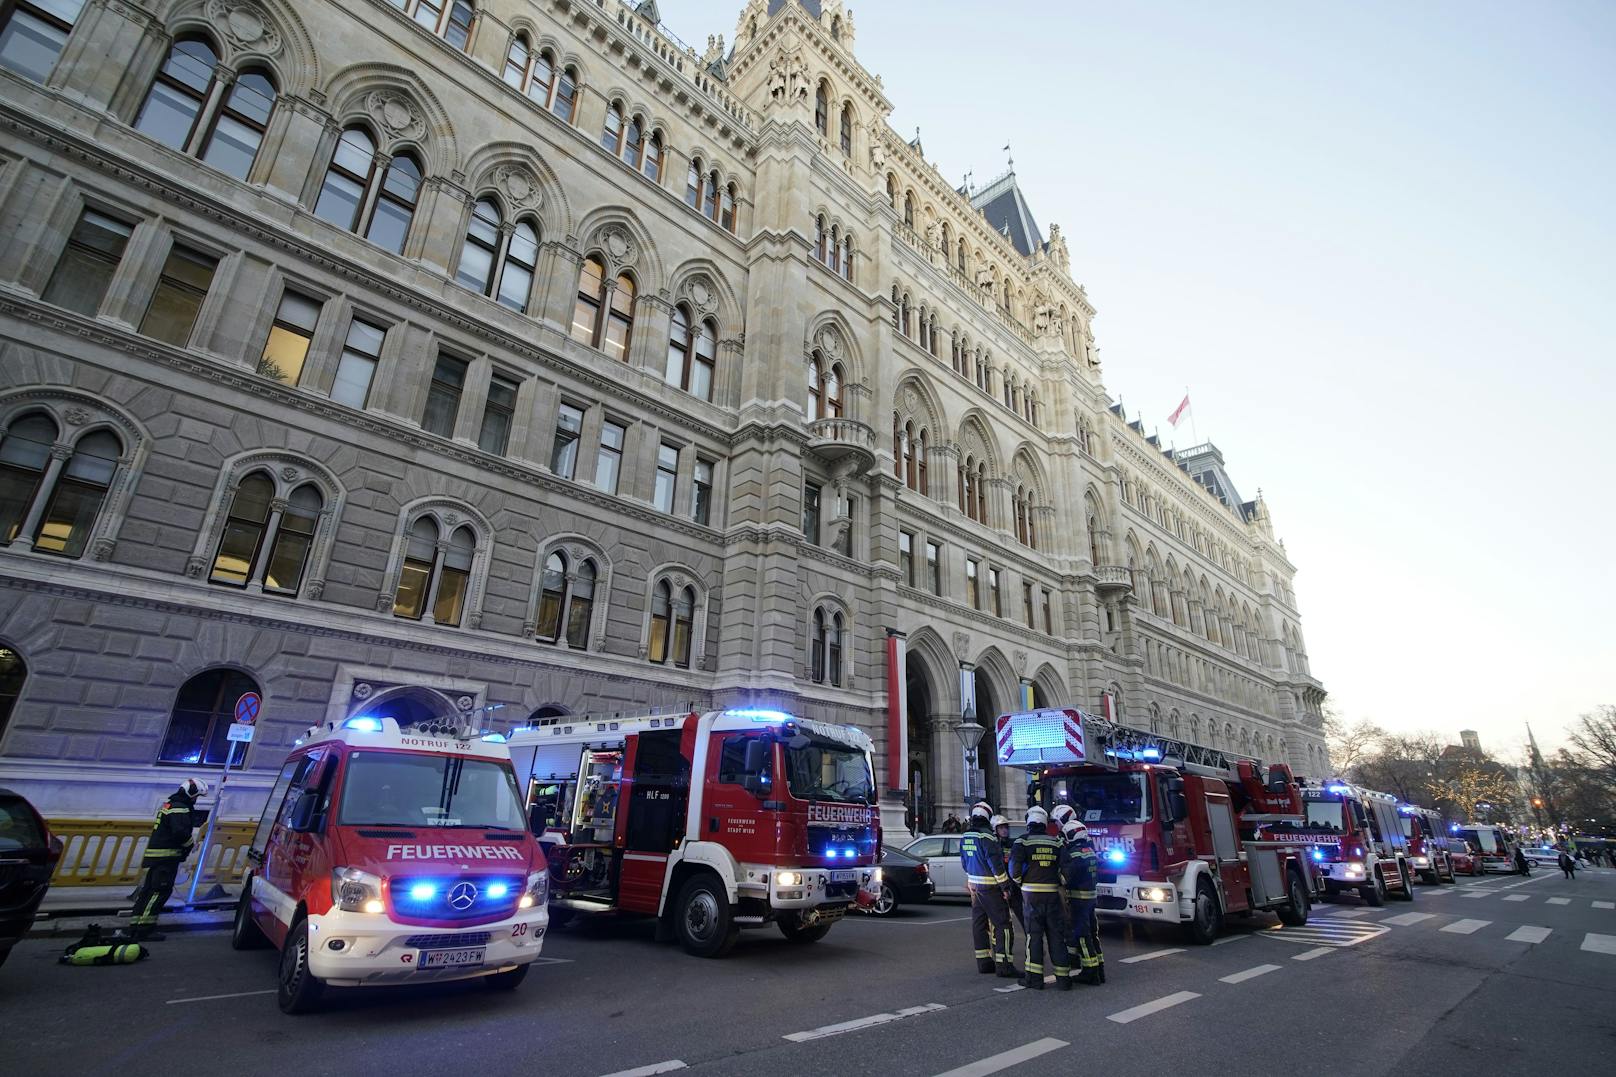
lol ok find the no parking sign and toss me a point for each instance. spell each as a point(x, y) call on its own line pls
point(247, 707)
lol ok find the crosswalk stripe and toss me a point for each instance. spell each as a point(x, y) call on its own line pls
point(1004, 1060)
point(1466, 927)
point(1150, 956)
point(1517, 897)
point(1134, 1013)
point(1599, 944)
point(1352, 914)
point(1309, 955)
point(1327, 933)
point(1528, 934)
point(1408, 918)
point(1477, 893)
point(1248, 974)
point(1605, 904)
point(1559, 901)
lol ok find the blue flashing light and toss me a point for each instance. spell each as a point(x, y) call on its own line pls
point(1318, 854)
point(832, 853)
point(422, 891)
point(494, 738)
point(759, 715)
point(364, 724)
point(1453, 828)
point(521, 729)
point(1116, 856)
point(850, 853)
point(498, 890)
point(1151, 755)
point(1337, 788)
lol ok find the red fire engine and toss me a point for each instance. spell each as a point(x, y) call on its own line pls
point(1427, 843)
point(1357, 841)
point(1184, 833)
point(709, 822)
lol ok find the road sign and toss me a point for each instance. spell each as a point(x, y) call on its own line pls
point(239, 731)
point(247, 710)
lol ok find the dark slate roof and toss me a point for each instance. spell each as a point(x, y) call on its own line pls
point(810, 6)
point(1006, 210)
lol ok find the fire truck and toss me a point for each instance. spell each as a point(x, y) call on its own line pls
point(1493, 849)
point(1358, 841)
point(709, 822)
point(1427, 843)
point(1185, 834)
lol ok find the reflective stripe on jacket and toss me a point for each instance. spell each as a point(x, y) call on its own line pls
point(1082, 873)
point(1038, 862)
point(982, 858)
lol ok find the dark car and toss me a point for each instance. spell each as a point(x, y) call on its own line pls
point(905, 880)
point(28, 856)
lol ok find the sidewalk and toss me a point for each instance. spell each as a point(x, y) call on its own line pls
point(68, 910)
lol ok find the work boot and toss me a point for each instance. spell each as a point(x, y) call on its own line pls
point(1063, 983)
point(1090, 977)
point(1032, 982)
point(1007, 971)
point(1102, 972)
point(984, 964)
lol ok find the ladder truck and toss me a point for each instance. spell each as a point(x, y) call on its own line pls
point(709, 822)
point(1185, 833)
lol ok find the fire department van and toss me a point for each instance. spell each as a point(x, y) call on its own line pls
point(390, 856)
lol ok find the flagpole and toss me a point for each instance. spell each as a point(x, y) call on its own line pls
point(1196, 434)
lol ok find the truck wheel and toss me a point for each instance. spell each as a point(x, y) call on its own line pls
point(1407, 878)
point(560, 918)
point(1434, 876)
point(1207, 922)
point(887, 903)
point(1375, 893)
point(299, 990)
point(802, 936)
point(703, 919)
point(245, 934)
point(507, 980)
point(1294, 912)
point(1453, 876)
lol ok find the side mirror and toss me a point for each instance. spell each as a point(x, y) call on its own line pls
point(303, 818)
point(1177, 805)
point(756, 759)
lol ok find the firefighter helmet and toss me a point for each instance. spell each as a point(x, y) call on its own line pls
point(997, 821)
point(195, 788)
point(1062, 814)
point(981, 810)
point(1036, 815)
point(1075, 831)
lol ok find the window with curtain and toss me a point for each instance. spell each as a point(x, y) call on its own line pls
point(287, 347)
point(847, 131)
point(611, 134)
point(24, 458)
point(294, 539)
point(356, 367)
point(586, 312)
point(181, 288)
point(347, 179)
point(420, 561)
point(498, 412)
point(661, 622)
point(822, 110)
point(238, 129)
point(684, 612)
point(443, 396)
point(246, 521)
point(33, 34)
point(395, 204)
point(816, 648)
point(693, 184)
point(580, 605)
point(564, 450)
point(692, 354)
point(652, 166)
point(84, 272)
point(620, 319)
point(80, 491)
point(454, 577)
point(701, 496)
point(174, 104)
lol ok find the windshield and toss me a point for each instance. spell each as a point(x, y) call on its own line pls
point(1324, 814)
point(1408, 827)
point(828, 771)
point(1106, 798)
point(404, 789)
point(1482, 839)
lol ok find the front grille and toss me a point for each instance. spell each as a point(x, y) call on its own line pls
point(448, 942)
point(1107, 901)
point(1108, 876)
point(835, 890)
point(429, 897)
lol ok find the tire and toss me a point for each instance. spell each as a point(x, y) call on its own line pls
point(245, 934)
point(1407, 879)
point(1207, 923)
point(1374, 895)
point(507, 980)
point(801, 936)
point(299, 989)
point(887, 903)
point(1433, 877)
point(703, 919)
point(560, 918)
point(1294, 912)
point(1453, 876)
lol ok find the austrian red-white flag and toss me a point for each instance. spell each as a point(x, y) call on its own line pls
point(1179, 412)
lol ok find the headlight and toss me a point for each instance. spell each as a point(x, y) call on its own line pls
point(788, 878)
point(1354, 869)
point(875, 877)
point(353, 890)
point(1155, 893)
point(1422, 861)
point(538, 888)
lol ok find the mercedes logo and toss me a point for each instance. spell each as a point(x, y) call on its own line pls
point(462, 896)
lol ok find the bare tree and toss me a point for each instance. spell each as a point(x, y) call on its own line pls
point(1403, 764)
point(1594, 738)
point(1350, 744)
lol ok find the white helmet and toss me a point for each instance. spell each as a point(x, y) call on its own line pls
point(981, 810)
point(997, 821)
point(1035, 814)
point(195, 788)
point(1074, 830)
point(1062, 814)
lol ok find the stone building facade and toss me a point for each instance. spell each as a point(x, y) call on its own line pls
point(514, 359)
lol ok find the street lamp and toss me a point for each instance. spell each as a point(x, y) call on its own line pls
point(969, 733)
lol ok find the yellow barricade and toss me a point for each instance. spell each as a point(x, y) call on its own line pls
point(106, 852)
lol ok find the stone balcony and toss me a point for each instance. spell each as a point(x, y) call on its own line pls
point(838, 440)
point(1113, 579)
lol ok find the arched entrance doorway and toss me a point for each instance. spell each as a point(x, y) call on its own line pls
point(547, 711)
point(921, 809)
point(987, 709)
point(409, 706)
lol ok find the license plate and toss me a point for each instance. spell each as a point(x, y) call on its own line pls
point(843, 876)
point(450, 959)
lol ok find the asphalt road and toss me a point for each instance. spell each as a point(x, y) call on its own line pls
point(1501, 974)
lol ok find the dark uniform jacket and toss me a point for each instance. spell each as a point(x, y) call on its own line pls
point(170, 840)
point(1082, 872)
point(982, 858)
point(1038, 861)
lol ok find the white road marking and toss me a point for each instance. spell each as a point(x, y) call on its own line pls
point(1228, 939)
point(1328, 932)
point(654, 1068)
point(1605, 904)
point(862, 1022)
point(1599, 944)
point(1466, 927)
point(1007, 990)
point(1151, 956)
point(1528, 934)
point(1559, 901)
point(1478, 893)
point(1309, 955)
point(1407, 918)
point(210, 998)
point(1166, 1002)
point(1005, 1059)
point(1248, 974)
point(1352, 914)
point(1517, 897)
point(1525, 882)
point(922, 923)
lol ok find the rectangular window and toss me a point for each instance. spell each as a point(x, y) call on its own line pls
point(495, 436)
point(181, 288)
point(287, 348)
point(934, 568)
point(1049, 618)
point(844, 536)
point(564, 451)
point(443, 398)
point(993, 593)
point(810, 513)
point(667, 477)
point(906, 557)
point(1026, 604)
point(32, 39)
point(93, 252)
point(609, 460)
point(973, 583)
point(356, 368)
point(701, 497)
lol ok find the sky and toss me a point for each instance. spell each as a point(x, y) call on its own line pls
point(1377, 244)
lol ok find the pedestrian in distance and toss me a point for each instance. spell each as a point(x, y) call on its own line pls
point(982, 859)
point(1038, 862)
point(1082, 897)
point(951, 825)
point(166, 850)
point(1568, 865)
point(1523, 866)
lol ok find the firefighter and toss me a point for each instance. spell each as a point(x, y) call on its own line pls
point(982, 858)
point(1038, 861)
point(166, 850)
point(1080, 877)
point(1012, 892)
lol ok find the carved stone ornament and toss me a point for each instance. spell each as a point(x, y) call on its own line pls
point(618, 243)
point(962, 645)
point(289, 472)
point(1019, 660)
point(363, 690)
point(679, 581)
point(701, 296)
point(464, 703)
point(395, 114)
point(830, 342)
point(245, 26)
point(194, 566)
point(911, 400)
point(76, 415)
point(101, 549)
point(520, 185)
point(384, 602)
